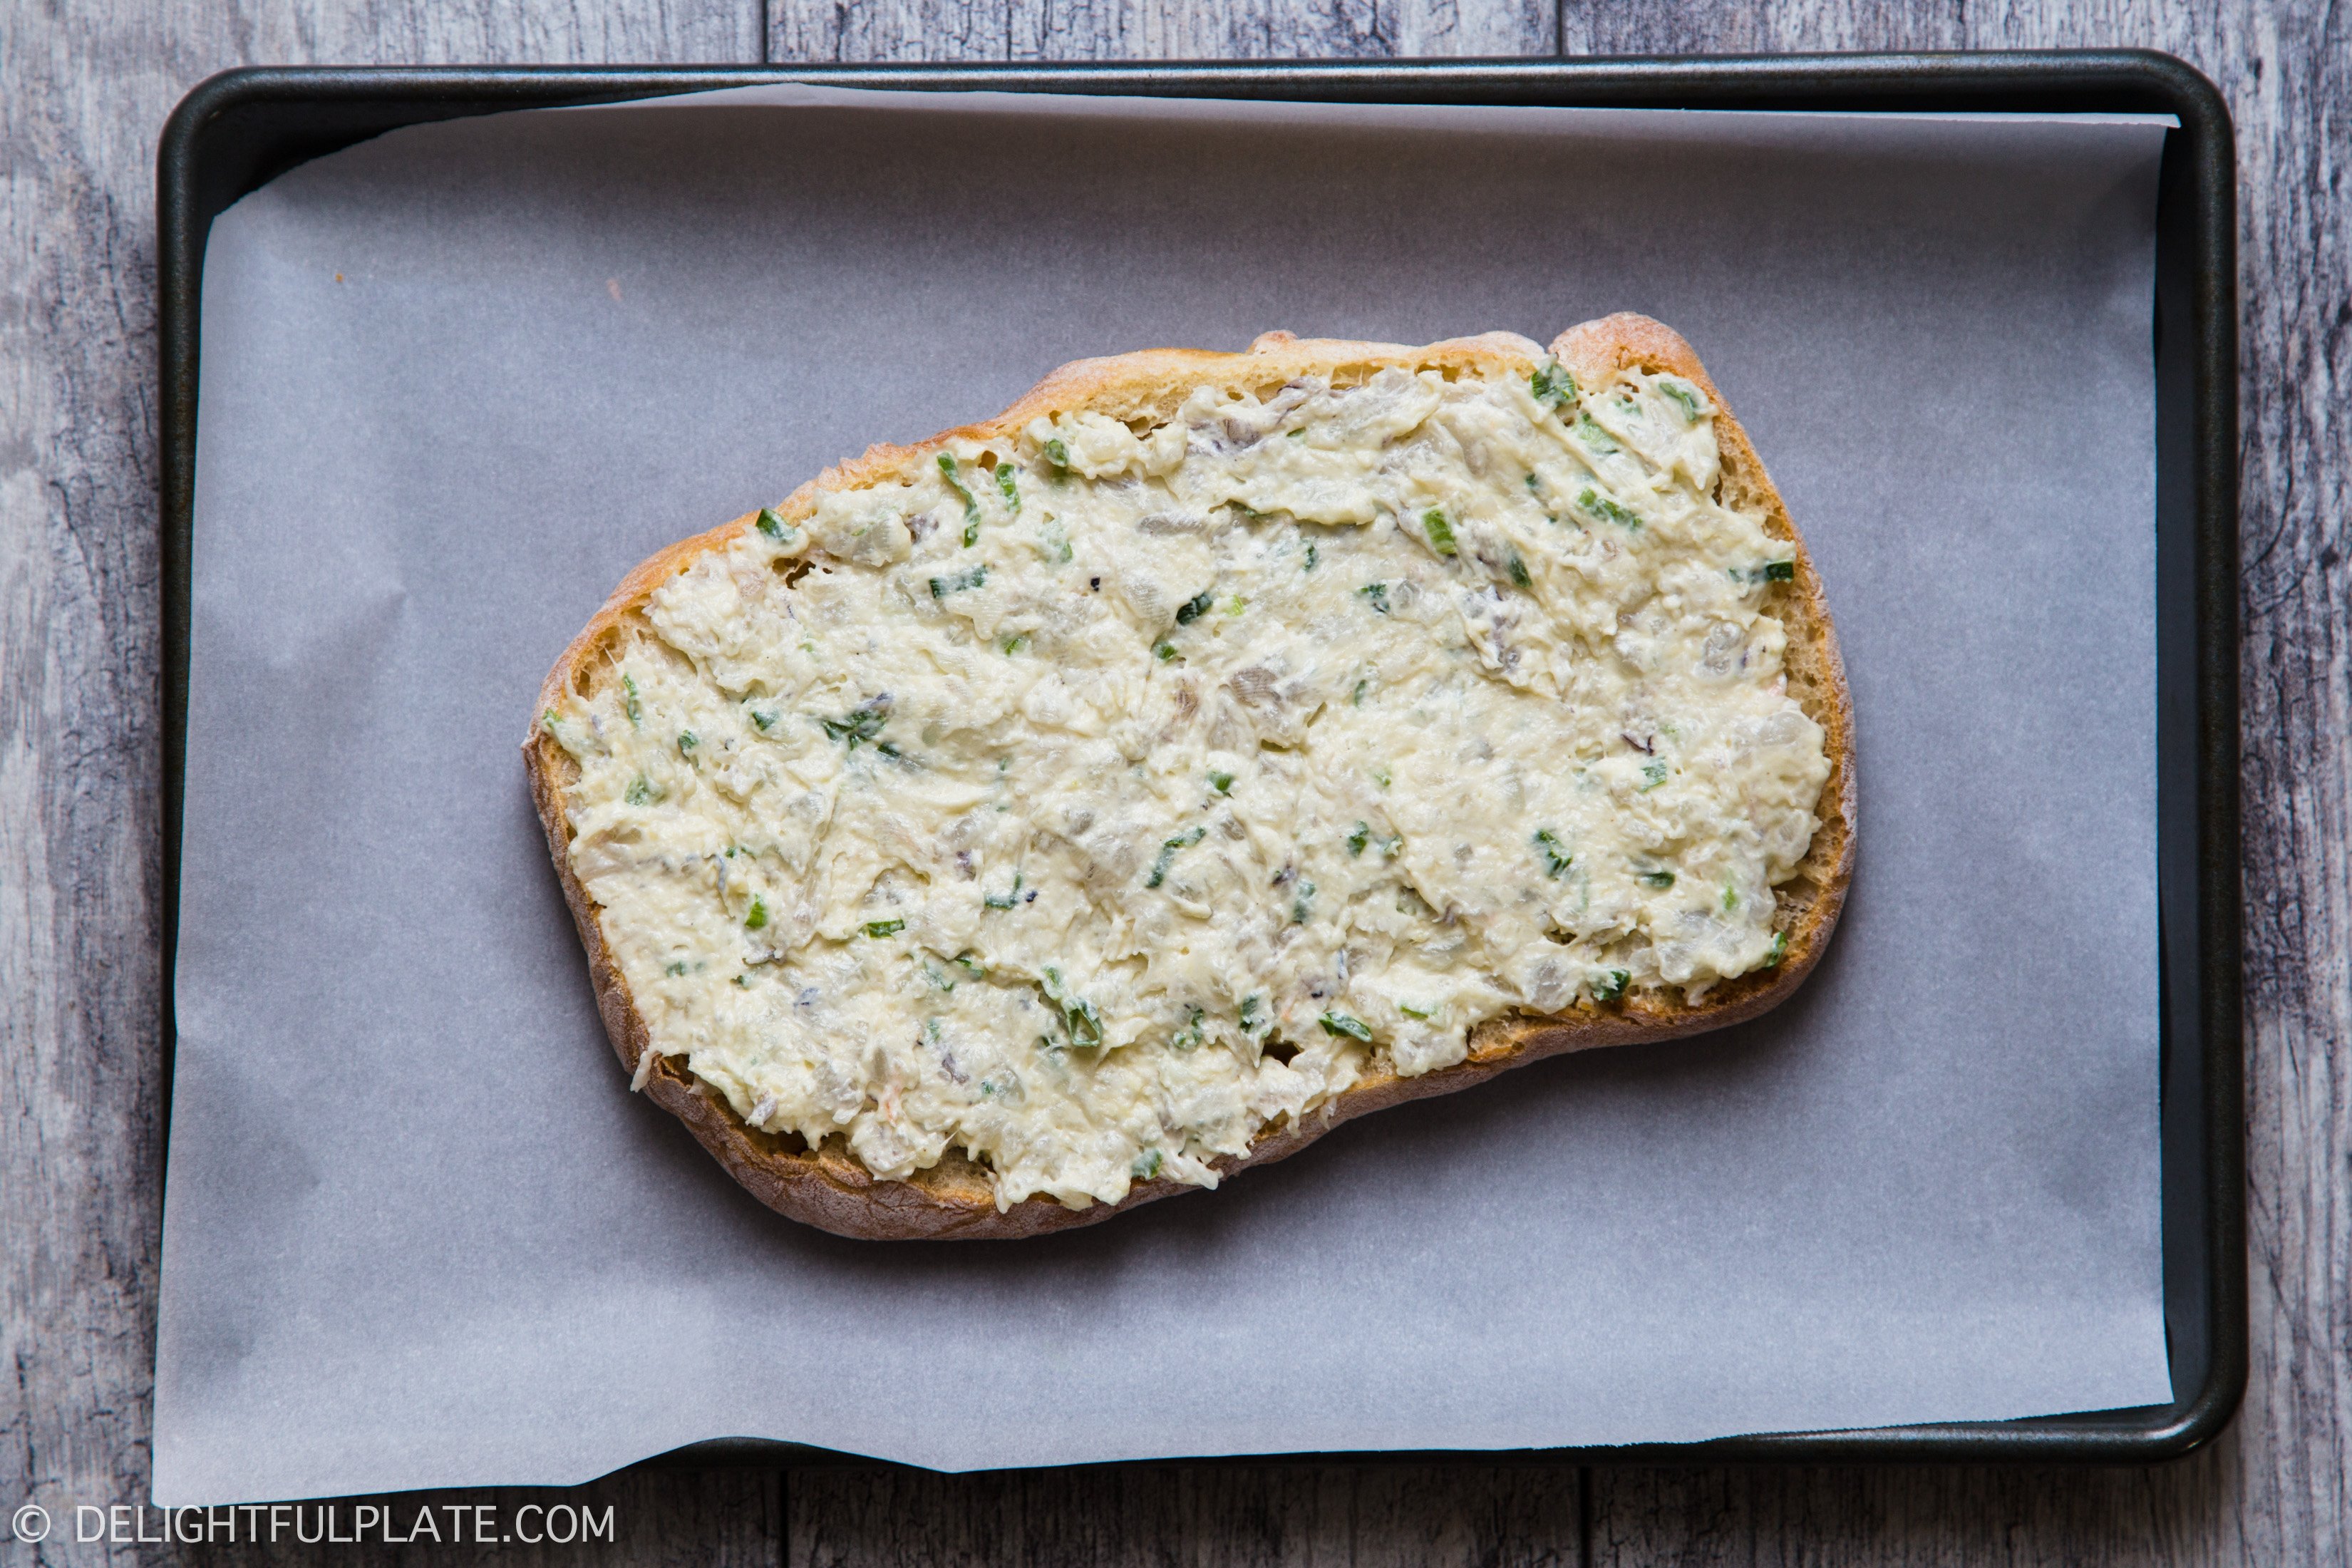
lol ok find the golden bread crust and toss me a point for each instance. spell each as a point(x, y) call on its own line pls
point(827, 1187)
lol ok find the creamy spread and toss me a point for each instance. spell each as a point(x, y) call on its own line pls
point(1109, 792)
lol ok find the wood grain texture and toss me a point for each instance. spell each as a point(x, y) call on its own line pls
point(86, 89)
point(83, 92)
point(1187, 1517)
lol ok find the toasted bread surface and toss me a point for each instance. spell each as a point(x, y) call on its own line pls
point(954, 1199)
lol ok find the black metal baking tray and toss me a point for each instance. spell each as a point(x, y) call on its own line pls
point(236, 131)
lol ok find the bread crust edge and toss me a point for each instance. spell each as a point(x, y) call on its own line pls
point(955, 1200)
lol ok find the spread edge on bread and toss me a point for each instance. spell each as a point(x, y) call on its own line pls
point(1081, 807)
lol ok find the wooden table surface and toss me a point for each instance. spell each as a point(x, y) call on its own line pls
point(83, 91)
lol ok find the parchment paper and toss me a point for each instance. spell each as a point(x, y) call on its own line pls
point(457, 379)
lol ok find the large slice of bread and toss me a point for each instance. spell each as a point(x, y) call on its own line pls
point(825, 1187)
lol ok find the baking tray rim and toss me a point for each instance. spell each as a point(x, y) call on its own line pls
point(237, 130)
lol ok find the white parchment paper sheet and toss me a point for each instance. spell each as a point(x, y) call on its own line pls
point(457, 379)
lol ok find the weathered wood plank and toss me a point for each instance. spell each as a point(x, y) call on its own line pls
point(2279, 1489)
point(1189, 1517)
point(907, 30)
point(80, 1077)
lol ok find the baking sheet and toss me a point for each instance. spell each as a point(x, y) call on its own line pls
point(457, 379)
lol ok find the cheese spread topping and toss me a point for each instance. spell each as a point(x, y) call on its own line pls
point(1107, 793)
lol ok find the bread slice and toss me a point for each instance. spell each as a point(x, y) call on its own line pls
point(827, 1187)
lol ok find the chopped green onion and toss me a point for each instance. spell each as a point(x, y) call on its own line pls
point(1222, 782)
point(1014, 643)
point(1295, 435)
point(1553, 386)
point(1340, 1023)
point(629, 701)
point(764, 719)
point(1360, 838)
point(1593, 435)
point(773, 524)
point(640, 791)
point(1378, 592)
point(675, 969)
point(1084, 1024)
point(1008, 900)
point(1779, 571)
point(1518, 570)
point(971, 501)
point(1730, 898)
point(1779, 950)
point(1167, 852)
point(1164, 650)
point(758, 915)
point(1615, 988)
point(1358, 700)
point(862, 722)
point(1004, 481)
point(687, 743)
point(1194, 608)
point(1311, 556)
point(1658, 878)
point(1440, 532)
point(1653, 775)
point(1556, 859)
point(1058, 456)
point(1145, 1166)
point(972, 578)
point(885, 928)
point(1607, 511)
point(1683, 397)
point(1532, 486)
point(1411, 1012)
point(1301, 903)
point(1252, 1022)
point(969, 965)
point(932, 972)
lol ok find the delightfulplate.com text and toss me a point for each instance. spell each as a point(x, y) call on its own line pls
point(316, 1524)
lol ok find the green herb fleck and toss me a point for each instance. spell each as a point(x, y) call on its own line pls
point(1653, 775)
point(937, 976)
point(1730, 897)
point(764, 719)
point(547, 722)
point(1163, 650)
point(772, 523)
point(640, 791)
point(629, 701)
point(1360, 838)
point(1440, 532)
point(1145, 1166)
point(1013, 644)
point(971, 577)
point(862, 722)
point(758, 915)
point(1358, 700)
point(971, 501)
point(1222, 782)
point(1658, 878)
point(1194, 608)
point(1607, 511)
point(1779, 950)
point(1312, 556)
point(1057, 456)
point(1167, 851)
point(1005, 482)
point(1593, 435)
point(1518, 570)
point(885, 928)
point(1533, 486)
point(1380, 776)
point(1392, 848)
point(1253, 1021)
point(1008, 900)
point(1779, 571)
point(745, 981)
point(1555, 858)
point(1552, 384)
point(1612, 987)
point(1378, 593)
point(1295, 435)
point(675, 969)
point(1340, 1023)
point(1301, 903)
point(1410, 1011)
point(969, 965)
point(1236, 604)
point(1078, 1013)
point(687, 743)
point(1189, 1037)
point(1683, 397)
